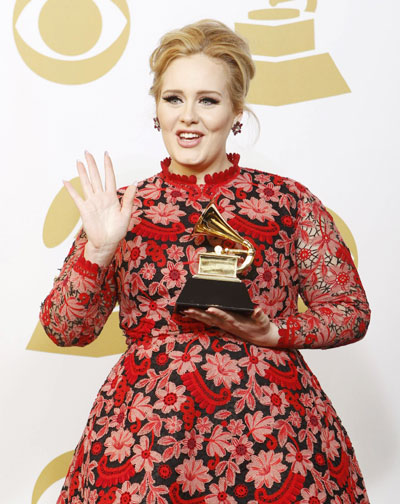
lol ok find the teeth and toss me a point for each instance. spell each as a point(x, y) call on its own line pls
point(188, 135)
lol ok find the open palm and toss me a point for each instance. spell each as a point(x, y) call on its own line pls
point(105, 220)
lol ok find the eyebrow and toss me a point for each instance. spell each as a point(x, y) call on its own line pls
point(205, 91)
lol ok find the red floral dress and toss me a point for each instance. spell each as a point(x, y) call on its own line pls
point(190, 414)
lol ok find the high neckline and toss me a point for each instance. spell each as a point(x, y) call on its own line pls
point(216, 178)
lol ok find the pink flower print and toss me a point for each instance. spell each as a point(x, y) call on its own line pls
point(254, 362)
point(185, 362)
point(174, 194)
point(164, 213)
point(151, 191)
point(192, 475)
point(269, 192)
point(144, 457)
point(241, 449)
point(236, 427)
point(119, 417)
point(326, 242)
point(340, 277)
point(266, 276)
point(175, 253)
point(148, 271)
point(300, 460)
point(130, 283)
point(134, 251)
point(313, 419)
point(226, 209)
point(219, 442)
point(90, 496)
point(265, 469)
point(170, 398)
point(272, 301)
point(112, 381)
point(174, 275)
point(155, 308)
point(270, 255)
point(257, 209)
point(140, 408)
point(119, 445)
point(128, 494)
point(244, 181)
point(222, 369)
point(192, 443)
point(329, 444)
point(312, 495)
point(275, 399)
point(204, 425)
point(173, 424)
point(294, 418)
point(219, 495)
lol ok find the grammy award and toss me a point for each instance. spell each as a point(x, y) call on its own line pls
point(216, 283)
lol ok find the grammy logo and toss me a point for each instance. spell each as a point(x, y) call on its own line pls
point(286, 72)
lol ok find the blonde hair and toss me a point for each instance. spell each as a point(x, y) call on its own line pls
point(215, 40)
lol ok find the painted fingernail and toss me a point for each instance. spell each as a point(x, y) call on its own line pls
point(106, 153)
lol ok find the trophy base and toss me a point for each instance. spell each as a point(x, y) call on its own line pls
point(203, 292)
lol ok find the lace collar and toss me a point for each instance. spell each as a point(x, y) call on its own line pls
point(210, 179)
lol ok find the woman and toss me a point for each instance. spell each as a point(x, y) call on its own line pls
point(211, 406)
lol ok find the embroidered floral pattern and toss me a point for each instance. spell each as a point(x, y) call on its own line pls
point(189, 413)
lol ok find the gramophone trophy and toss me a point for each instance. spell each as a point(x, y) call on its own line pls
point(216, 283)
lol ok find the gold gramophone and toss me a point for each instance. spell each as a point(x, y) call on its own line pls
point(216, 283)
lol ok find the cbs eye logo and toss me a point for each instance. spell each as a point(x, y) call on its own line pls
point(71, 41)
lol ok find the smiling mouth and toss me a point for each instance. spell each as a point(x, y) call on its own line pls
point(185, 135)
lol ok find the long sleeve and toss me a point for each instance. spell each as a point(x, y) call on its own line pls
point(338, 311)
point(83, 296)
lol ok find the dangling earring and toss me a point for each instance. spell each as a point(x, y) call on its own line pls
point(237, 127)
point(156, 124)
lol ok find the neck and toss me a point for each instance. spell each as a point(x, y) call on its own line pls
point(200, 171)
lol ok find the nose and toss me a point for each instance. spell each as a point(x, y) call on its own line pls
point(189, 113)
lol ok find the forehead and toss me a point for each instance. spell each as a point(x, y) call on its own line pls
point(196, 72)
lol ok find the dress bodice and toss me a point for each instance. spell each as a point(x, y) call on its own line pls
point(298, 251)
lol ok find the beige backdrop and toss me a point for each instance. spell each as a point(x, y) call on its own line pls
point(75, 76)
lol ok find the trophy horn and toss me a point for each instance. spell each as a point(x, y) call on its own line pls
point(212, 223)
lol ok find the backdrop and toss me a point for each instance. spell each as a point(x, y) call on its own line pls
point(75, 76)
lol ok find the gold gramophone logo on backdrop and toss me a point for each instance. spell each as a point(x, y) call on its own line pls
point(71, 41)
point(288, 68)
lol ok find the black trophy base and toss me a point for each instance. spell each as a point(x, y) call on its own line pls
point(202, 293)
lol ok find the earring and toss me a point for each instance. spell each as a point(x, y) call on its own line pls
point(237, 127)
point(156, 124)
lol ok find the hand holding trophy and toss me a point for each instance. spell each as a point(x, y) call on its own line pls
point(216, 283)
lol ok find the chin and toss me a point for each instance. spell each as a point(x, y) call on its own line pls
point(191, 159)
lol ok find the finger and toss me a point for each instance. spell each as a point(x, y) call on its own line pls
point(94, 174)
point(200, 316)
point(110, 184)
point(127, 200)
point(258, 315)
point(74, 194)
point(85, 182)
point(222, 315)
point(261, 318)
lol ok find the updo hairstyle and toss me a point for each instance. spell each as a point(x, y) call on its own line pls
point(215, 40)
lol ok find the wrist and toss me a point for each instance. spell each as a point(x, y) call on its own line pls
point(100, 256)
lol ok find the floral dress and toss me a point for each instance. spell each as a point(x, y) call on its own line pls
point(189, 413)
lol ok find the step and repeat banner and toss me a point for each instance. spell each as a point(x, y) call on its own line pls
point(75, 76)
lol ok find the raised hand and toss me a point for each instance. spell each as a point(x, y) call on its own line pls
point(105, 220)
point(256, 328)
